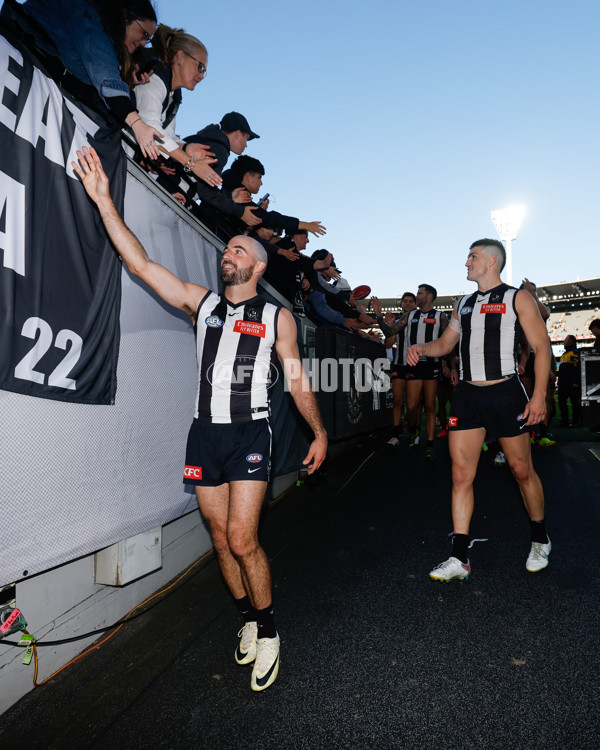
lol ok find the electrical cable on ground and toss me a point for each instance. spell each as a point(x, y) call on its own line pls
point(115, 628)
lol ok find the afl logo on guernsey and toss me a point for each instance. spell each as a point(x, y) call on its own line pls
point(254, 458)
point(466, 310)
point(213, 321)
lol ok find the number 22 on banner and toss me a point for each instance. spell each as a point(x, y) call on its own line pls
point(58, 377)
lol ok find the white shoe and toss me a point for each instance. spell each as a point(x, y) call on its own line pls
point(393, 441)
point(452, 568)
point(245, 652)
point(266, 666)
point(538, 556)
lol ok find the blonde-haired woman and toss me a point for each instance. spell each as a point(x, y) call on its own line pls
point(183, 65)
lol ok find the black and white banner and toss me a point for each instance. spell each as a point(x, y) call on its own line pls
point(59, 276)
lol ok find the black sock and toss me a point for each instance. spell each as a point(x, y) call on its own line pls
point(460, 546)
point(246, 609)
point(430, 443)
point(538, 532)
point(266, 622)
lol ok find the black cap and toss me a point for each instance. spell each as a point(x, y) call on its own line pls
point(233, 121)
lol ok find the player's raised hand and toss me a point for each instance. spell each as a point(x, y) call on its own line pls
point(92, 175)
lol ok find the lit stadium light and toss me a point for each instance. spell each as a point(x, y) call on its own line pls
point(508, 222)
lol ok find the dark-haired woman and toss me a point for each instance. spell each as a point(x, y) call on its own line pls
point(95, 39)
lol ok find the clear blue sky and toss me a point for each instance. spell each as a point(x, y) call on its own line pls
point(401, 125)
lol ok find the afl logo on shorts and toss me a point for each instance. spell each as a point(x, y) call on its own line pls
point(254, 458)
point(213, 321)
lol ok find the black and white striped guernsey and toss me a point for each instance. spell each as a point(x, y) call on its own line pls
point(422, 327)
point(234, 345)
point(489, 334)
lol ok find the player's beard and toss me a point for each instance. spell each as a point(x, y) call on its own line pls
point(236, 277)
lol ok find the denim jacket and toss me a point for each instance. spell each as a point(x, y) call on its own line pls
point(81, 42)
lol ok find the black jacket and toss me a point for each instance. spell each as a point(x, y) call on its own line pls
point(213, 137)
point(270, 219)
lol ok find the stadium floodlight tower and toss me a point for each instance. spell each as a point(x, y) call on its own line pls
point(508, 222)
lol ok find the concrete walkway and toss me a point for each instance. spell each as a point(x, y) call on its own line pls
point(374, 653)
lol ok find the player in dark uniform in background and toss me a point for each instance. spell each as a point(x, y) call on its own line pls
point(490, 399)
point(228, 451)
point(569, 383)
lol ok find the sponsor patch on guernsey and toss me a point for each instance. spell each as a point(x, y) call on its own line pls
point(496, 307)
point(213, 321)
point(254, 329)
point(429, 321)
point(192, 472)
point(254, 458)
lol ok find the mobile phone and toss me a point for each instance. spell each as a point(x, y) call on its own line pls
point(151, 64)
point(264, 198)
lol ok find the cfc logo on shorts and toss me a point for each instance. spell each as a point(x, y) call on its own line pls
point(192, 472)
point(453, 422)
point(254, 458)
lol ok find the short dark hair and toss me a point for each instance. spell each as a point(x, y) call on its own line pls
point(298, 231)
point(244, 164)
point(501, 255)
point(409, 294)
point(594, 324)
point(429, 289)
